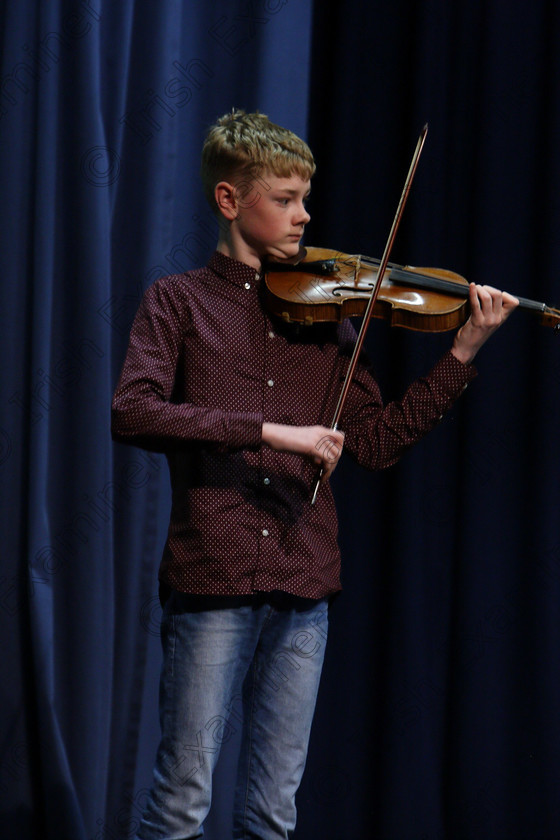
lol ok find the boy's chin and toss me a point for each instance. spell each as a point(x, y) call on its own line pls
point(292, 253)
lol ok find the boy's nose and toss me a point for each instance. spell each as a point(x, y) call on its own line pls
point(303, 215)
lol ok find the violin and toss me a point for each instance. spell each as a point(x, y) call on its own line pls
point(327, 285)
point(330, 286)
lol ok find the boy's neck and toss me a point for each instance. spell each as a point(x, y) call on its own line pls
point(231, 249)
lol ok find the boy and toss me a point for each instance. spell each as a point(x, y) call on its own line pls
point(240, 404)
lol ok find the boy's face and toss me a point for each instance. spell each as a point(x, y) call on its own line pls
point(271, 217)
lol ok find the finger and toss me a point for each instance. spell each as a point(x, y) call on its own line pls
point(325, 475)
point(503, 303)
point(329, 447)
point(483, 306)
point(495, 295)
point(478, 300)
point(473, 297)
point(490, 298)
point(490, 313)
point(327, 470)
point(509, 301)
point(327, 452)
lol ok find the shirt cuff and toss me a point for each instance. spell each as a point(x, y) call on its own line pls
point(244, 429)
point(450, 377)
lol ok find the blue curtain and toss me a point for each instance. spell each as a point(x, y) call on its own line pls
point(437, 716)
point(103, 111)
point(444, 650)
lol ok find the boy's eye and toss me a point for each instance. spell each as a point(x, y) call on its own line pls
point(284, 201)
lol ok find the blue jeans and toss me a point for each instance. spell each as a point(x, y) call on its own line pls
point(265, 655)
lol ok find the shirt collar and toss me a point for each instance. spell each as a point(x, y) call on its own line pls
point(233, 270)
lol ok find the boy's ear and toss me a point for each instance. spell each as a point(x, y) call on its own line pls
point(226, 200)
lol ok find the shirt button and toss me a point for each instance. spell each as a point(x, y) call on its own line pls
point(257, 277)
point(266, 481)
point(247, 285)
point(271, 382)
point(265, 532)
point(271, 335)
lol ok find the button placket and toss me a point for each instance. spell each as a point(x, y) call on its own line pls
point(269, 383)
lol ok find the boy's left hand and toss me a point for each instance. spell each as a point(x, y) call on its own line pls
point(489, 310)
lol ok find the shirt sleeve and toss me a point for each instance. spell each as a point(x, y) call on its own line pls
point(377, 435)
point(143, 411)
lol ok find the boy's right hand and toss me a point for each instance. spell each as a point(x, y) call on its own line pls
point(321, 445)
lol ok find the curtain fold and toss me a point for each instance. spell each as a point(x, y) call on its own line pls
point(103, 109)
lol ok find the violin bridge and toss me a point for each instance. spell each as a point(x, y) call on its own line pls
point(357, 267)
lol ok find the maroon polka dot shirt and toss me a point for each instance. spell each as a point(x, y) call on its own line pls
point(205, 367)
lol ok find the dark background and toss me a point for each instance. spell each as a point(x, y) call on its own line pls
point(438, 711)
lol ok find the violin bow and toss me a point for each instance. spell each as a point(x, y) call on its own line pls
point(375, 291)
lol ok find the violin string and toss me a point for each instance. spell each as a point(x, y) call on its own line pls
point(437, 284)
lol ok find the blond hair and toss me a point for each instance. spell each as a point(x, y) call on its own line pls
point(242, 146)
